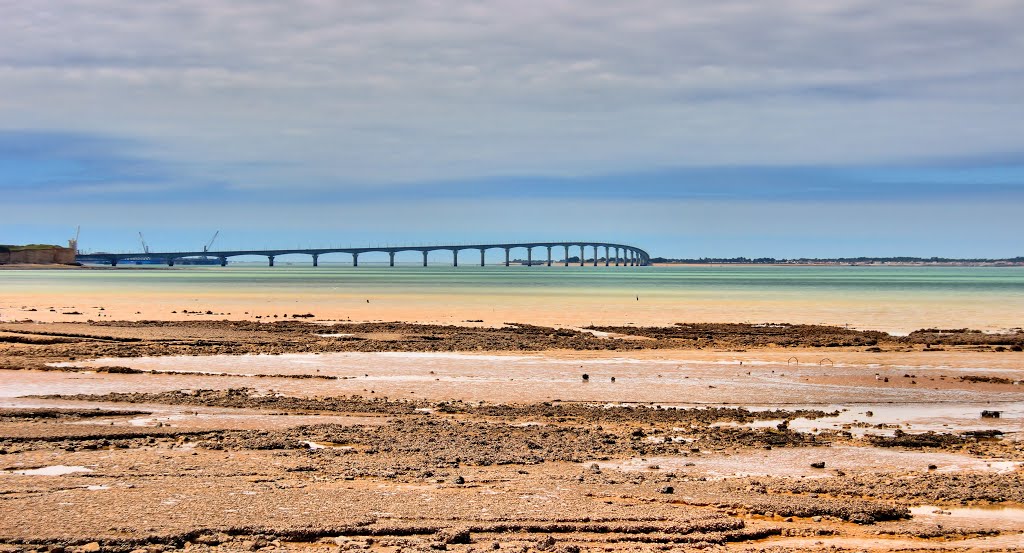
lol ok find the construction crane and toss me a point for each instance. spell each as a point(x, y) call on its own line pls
point(145, 247)
point(209, 244)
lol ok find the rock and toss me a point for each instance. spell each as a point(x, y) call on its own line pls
point(91, 547)
point(453, 536)
point(212, 539)
point(818, 465)
point(861, 518)
point(990, 414)
point(458, 480)
point(547, 543)
point(816, 518)
point(667, 490)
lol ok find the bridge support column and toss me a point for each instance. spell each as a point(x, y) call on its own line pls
point(355, 260)
point(567, 256)
point(316, 260)
point(507, 250)
point(549, 256)
point(424, 258)
point(617, 257)
point(224, 262)
point(632, 258)
point(595, 256)
point(170, 261)
point(607, 256)
point(583, 255)
point(113, 263)
point(270, 258)
point(455, 258)
point(482, 263)
point(391, 259)
point(529, 256)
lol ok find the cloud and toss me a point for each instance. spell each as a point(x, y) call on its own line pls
point(291, 110)
point(345, 94)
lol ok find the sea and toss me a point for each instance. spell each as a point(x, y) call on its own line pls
point(896, 299)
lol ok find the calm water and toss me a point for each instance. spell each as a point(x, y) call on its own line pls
point(896, 299)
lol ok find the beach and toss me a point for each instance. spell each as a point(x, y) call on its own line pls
point(315, 435)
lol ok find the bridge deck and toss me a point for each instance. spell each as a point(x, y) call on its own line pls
point(623, 253)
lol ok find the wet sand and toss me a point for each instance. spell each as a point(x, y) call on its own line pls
point(242, 437)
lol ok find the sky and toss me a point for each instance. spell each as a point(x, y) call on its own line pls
point(719, 128)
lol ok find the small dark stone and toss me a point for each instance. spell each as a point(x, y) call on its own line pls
point(818, 465)
point(667, 490)
point(990, 414)
point(459, 480)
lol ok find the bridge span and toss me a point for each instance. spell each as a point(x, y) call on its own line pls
point(614, 254)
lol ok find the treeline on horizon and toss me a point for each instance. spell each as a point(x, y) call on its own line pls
point(772, 260)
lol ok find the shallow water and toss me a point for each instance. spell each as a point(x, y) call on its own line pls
point(897, 299)
point(542, 377)
point(191, 417)
point(55, 470)
point(795, 462)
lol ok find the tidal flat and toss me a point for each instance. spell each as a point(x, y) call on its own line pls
point(327, 436)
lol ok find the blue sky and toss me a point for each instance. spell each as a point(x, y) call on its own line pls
point(705, 128)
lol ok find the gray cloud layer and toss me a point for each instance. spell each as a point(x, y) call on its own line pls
point(321, 93)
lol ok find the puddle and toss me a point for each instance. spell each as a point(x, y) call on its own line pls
point(796, 462)
point(55, 470)
point(833, 543)
point(327, 445)
point(987, 514)
point(522, 377)
point(192, 417)
point(883, 419)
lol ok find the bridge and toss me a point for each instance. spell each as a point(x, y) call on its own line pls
point(614, 254)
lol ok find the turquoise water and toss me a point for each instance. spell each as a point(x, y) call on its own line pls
point(888, 298)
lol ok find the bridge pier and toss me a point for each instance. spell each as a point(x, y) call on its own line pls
point(624, 255)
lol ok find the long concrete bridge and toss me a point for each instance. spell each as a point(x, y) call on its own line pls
point(614, 254)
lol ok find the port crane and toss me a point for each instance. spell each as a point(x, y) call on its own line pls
point(209, 244)
point(142, 240)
